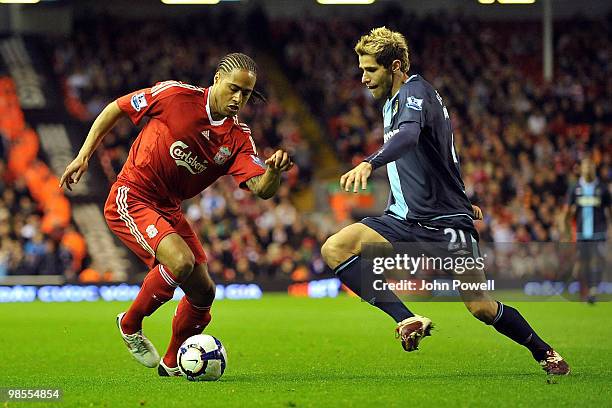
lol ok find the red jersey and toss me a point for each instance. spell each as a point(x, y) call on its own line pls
point(182, 150)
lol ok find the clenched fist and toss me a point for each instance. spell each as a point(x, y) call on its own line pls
point(279, 161)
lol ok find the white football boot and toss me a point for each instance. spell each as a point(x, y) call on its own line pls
point(139, 346)
point(165, 371)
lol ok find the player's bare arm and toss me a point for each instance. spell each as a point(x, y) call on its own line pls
point(105, 121)
point(266, 185)
point(356, 177)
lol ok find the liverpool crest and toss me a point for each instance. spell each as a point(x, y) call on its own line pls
point(222, 155)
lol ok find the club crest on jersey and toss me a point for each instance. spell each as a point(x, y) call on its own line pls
point(222, 155)
point(414, 103)
point(183, 157)
point(139, 101)
point(151, 231)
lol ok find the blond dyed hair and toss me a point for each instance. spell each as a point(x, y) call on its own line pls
point(386, 46)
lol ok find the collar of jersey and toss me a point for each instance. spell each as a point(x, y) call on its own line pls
point(411, 77)
point(210, 119)
point(583, 183)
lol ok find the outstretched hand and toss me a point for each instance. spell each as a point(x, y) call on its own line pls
point(279, 161)
point(356, 177)
point(73, 172)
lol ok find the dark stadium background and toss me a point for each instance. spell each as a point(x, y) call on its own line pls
point(528, 87)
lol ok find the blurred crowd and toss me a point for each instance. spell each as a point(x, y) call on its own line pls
point(24, 248)
point(248, 238)
point(519, 138)
point(36, 234)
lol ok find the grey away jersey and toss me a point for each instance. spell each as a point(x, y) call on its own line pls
point(426, 182)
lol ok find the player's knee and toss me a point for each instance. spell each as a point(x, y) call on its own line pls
point(182, 265)
point(334, 251)
point(327, 250)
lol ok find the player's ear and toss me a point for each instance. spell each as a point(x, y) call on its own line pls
point(396, 65)
point(217, 76)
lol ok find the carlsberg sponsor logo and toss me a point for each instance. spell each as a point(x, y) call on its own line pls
point(181, 154)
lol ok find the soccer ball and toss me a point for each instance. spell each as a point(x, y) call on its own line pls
point(202, 358)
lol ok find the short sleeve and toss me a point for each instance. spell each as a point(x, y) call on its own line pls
point(411, 106)
point(246, 164)
point(148, 101)
point(136, 104)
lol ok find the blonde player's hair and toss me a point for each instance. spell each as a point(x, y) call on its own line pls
point(386, 46)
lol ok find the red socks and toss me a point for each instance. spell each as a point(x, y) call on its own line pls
point(188, 321)
point(157, 288)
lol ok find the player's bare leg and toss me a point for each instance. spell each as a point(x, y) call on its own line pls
point(342, 253)
point(509, 322)
point(192, 315)
point(176, 263)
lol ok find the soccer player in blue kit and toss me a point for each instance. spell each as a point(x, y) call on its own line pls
point(427, 201)
point(590, 203)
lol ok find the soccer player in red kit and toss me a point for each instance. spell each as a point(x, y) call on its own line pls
point(192, 138)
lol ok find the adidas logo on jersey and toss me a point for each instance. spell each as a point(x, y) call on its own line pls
point(185, 158)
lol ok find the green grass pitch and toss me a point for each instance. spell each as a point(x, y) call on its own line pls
point(297, 352)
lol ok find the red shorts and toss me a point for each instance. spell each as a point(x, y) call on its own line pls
point(141, 227)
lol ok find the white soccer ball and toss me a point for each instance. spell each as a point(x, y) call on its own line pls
point(202, 358)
